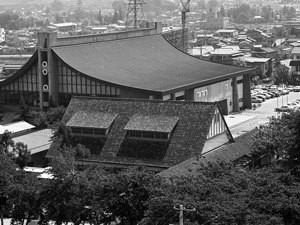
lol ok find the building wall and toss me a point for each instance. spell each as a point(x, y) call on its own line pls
point(215, 92)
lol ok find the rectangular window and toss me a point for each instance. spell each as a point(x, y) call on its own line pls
point(148, 134)
point(98, 90)
point(102, 89)
point(76, 130)
point(118, 91)
point(99, 131)
point(108, 90)
point(88, 88)
point(87, 130)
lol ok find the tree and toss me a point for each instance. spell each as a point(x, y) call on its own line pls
point(201, 4)
point(224, 194)
point(115, 17)
point(20, 154)
point(24, 111)
point(79, 4)
point(243, 18)
point(56, 5)
point(23, 196)
point(99, 17)
point(47, 119)
point(267, 13)
point(281, 75)
point(5, 142)
point(279, 140)
point(7, 170)
point(125, 195)
point(222, 11)
point(212, 4)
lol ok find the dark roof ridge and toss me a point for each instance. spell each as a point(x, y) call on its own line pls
point(144, 100)
point(101, 41)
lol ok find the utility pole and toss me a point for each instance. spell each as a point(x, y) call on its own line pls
point(135, 13)
point(181, 209)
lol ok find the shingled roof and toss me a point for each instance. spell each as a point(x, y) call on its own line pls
point(92, 119)
point(230, 152)
point(158, 123)
point(192, 120)
point(147, 62)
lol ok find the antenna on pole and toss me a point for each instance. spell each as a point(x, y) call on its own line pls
point(135, 13)
point(185, 7)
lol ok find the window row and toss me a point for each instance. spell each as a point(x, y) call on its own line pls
point(202, 93)
point(103, 90)
point(91, 131)
point(148, 134)
point(70, 81)
point(27, 82)
point(13, 97)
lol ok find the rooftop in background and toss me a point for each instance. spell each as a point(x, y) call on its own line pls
point(62, 24)
point(224, 51)
point(17, 127)
point(37, 141)
point(296, 50)
point(251, 59)
point(226, 31)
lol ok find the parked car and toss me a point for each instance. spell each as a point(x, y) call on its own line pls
point(283, 90)
point(265, 94)
point(255, 99)
point(272, 94)
point(290, 88)
point(297, 89)
point(259, 86)
point(275, 93)
point(283, 108)
point(292, 105)
point(262, 97)
point(273, 87)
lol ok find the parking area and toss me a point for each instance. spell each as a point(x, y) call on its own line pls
point(249, 119)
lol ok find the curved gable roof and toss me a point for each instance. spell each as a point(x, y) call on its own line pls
point(147, 62)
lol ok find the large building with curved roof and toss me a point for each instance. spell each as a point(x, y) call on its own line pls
point(129, 64)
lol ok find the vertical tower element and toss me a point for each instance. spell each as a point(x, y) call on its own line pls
point(185, 8)
point(135, 13)
point(46, 69)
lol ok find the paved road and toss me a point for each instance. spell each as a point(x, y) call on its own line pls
point(249, 119)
